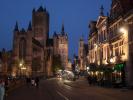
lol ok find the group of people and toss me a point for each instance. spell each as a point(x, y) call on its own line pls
point(93, 80)
point(32, 81)
point(4, 84)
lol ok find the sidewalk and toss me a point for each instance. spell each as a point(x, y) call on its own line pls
point(83, 83)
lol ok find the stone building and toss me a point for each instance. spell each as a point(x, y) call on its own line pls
point(5, 62)
point(33, 50)
point(112, 48)
point(92, 41)
point(82, 54)
point(61, 46)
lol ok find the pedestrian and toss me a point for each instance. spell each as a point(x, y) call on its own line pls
point(6, 86)
point(2, 89)
point(28, 81)
point(89, 78)
point(37, 81)
point(32, 82)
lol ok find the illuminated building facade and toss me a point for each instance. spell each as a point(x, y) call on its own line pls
point(82, 54)
point(5, 62)
point(110, 44)
point(33, 50)
point(61, 46)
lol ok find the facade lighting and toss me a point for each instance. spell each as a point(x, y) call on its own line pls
point(122, 30)
point(112, 60)
point(97, 73)
point(20, 64)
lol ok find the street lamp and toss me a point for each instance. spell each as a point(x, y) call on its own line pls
point(22, 67)
point(123, 30)
point(88, 68)
point(112, 60)
point(21, 64)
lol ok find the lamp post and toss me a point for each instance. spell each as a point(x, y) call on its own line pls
point(22, 68)
point(123, 30)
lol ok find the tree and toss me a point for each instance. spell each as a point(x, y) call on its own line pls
point(56, 65)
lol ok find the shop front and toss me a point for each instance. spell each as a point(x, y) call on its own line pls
point(118, 74)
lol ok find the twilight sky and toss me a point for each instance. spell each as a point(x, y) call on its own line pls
point(75, 14)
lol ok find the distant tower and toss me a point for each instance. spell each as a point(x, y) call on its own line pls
point(40, 25)
point(81, 52)
point(62, 29)
point(101, 11)
point(61, 46)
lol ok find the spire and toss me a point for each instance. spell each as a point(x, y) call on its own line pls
point(30, 27)
point(16, 26)
point(55, 34)
point(33, 10)
point(82, 37)
point(40, 9)
point(62, 29)
point(101, 11)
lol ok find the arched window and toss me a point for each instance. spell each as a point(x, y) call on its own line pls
point(22, 48)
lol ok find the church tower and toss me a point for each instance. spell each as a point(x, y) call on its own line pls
point(40, 25)
point(61, 46)
point(22, 50)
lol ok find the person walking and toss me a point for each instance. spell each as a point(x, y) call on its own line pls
point(28, 81)
point(37, 82)
point(2, 89)
point(89, 78)
point(32, 81)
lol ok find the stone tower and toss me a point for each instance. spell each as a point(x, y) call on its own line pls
point(81, 52)
point(22, 49)
point(40, 25)
point(61, 46)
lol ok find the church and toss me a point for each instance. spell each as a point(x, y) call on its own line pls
point(33, 49)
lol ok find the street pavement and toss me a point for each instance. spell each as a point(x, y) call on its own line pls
point(58, 89)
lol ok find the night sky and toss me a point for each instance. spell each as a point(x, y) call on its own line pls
point(75, 14)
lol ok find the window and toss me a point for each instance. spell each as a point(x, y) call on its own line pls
point(116, 49)
point(22, 48)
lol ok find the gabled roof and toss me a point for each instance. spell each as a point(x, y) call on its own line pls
point(100, 20)
point(40, 9)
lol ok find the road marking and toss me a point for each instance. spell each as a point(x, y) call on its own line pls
point(62, 95)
